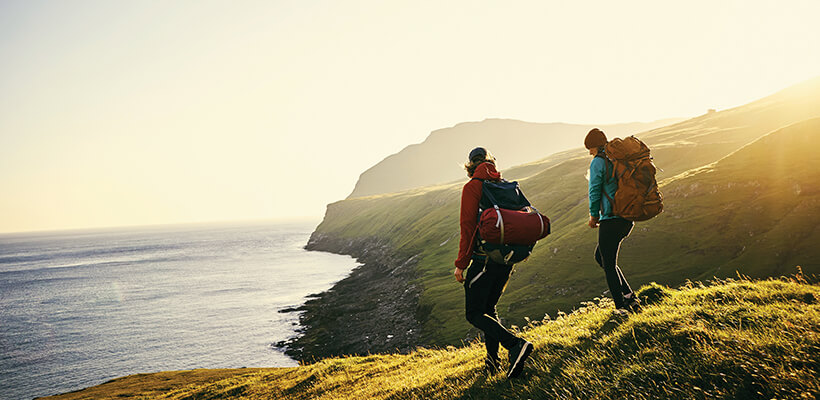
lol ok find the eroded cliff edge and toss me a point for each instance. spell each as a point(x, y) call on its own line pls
point(373, 310)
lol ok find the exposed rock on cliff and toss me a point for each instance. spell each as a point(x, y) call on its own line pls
point(371, 311)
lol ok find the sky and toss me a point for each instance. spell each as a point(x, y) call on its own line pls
point(116, 113)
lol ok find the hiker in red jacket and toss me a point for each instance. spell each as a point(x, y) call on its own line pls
point(485, 280)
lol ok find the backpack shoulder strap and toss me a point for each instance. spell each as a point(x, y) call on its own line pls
point(608, 177)
point(609, 167)
point(483, 190)
point(483, 193)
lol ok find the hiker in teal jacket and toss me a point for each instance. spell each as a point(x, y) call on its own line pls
point(600, 181)
point(612, 228)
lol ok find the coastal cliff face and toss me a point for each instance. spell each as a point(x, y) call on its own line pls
point(374, 310)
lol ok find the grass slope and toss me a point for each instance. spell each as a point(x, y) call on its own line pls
point(732, 338)
point(725, 208)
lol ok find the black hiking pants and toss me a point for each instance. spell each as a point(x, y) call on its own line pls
point(483, 286)
point(610, 234)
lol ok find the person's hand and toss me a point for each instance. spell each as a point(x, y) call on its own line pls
point(593, 222)
point(459, 273)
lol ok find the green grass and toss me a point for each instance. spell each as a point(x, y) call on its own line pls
point(731, 205)
point(728, 338)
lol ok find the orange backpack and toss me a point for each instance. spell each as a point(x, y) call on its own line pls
point(637, 197)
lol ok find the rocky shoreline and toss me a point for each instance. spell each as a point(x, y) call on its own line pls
point(374, 310)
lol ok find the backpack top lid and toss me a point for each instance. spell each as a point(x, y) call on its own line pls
point(503, 194)
point(626, 149)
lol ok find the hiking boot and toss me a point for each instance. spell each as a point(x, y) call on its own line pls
point(633, 303)
point(518, 355)
point(491, 365)
point(621, 312)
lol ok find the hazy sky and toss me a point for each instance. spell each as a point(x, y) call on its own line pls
point(145, 112)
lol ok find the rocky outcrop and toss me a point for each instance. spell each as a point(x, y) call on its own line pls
point(371, 311)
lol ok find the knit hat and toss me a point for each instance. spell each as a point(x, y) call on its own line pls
point(595, 138)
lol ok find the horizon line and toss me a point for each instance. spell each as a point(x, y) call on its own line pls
point(36, 231)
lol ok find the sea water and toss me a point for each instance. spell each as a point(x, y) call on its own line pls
point(79, 308)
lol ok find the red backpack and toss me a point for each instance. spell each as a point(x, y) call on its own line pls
point(508, 225)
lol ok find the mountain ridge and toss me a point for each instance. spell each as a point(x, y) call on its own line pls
point(512, 141)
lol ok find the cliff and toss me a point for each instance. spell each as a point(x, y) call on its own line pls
point(372, 310)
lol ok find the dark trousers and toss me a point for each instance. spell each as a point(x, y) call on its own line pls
point(483, 286)
point(610, 234)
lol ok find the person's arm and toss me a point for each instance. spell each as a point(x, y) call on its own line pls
point(470, 196)
point(596, 187)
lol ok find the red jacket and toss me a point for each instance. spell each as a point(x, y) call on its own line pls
point(470, 196)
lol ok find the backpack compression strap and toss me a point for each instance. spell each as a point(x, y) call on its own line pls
point(500, 223)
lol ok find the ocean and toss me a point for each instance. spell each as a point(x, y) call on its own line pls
point(78, 308)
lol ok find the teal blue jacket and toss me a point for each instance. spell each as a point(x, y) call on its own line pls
point(600, 179)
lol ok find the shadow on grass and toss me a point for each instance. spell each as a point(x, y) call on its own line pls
point(702, 351)
point(550, 358)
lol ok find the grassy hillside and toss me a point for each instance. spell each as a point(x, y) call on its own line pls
point(728, 339)
point(445, 148)
point(728, 215)
point(709, 137)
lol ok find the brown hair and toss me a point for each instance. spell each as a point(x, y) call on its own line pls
point(472, 165)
